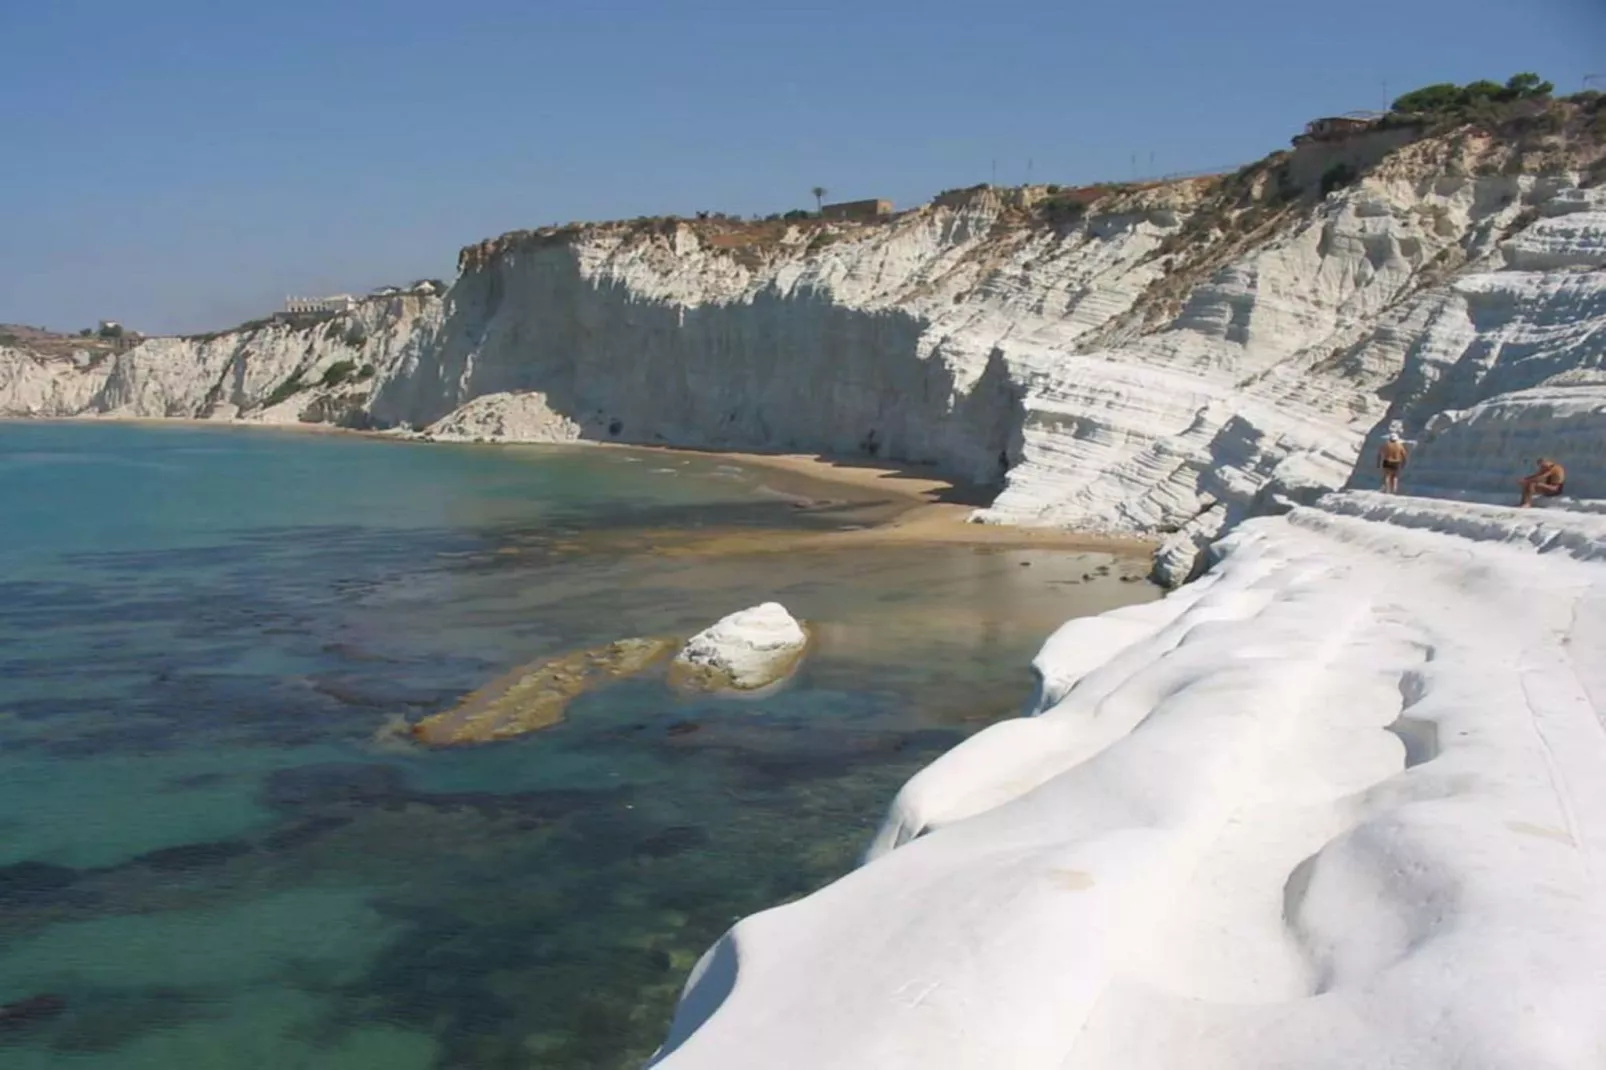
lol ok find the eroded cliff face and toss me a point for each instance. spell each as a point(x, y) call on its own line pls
point(1165, 360)
point(319, 372)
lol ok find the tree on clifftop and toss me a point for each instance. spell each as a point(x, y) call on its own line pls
point(1527, 86)
point(1437, 97)
point(1446, 97)
point(820, 193)
point(1483, 90)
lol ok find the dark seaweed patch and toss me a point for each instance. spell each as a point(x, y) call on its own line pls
point(192, 856)
point(33, 883)
point(304, 832)
point(333, 783)
point(141, 738)
point(106, 1021)
point(32, 1011)
point(196, 780)
point(672, 841)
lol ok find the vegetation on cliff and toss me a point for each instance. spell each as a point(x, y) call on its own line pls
point(1466, 101)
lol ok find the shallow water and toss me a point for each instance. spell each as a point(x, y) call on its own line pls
point(210, 853)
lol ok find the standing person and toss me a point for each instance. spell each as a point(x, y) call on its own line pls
point(1391, 457)
point(1549, 481)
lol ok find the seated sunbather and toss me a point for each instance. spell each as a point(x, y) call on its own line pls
point(1549, 481)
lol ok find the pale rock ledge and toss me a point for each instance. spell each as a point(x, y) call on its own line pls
point(746, 651)
point(505, 417)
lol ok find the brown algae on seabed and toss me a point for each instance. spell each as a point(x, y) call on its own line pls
point(536, 695)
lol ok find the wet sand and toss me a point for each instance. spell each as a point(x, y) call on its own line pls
point(896, 503)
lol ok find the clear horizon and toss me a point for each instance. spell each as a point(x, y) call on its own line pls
point(179, 169)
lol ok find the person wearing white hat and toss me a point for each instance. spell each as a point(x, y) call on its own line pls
point(1391, 459)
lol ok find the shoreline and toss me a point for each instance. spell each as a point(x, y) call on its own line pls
point(927, 507)
point(930, 507)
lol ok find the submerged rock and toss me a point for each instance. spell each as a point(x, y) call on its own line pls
point(533, 697)
point(745, 651)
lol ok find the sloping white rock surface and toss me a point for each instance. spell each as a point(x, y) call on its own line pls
point(1482, 451)
point(745, 651)
point(1339, 804)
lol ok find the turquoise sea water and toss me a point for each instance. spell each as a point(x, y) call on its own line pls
point(212, 855)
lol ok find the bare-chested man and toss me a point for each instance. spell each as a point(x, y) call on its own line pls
point(1391, 457)
point(1549, 481)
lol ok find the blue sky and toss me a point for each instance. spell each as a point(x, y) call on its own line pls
point(184, 164)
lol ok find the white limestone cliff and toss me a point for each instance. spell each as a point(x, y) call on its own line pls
point(1336, 804)
point(271, 372)
point(1170, 359)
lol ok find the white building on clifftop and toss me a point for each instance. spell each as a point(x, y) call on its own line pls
point(304, 306)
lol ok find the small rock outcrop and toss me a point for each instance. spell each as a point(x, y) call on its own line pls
point(746, 651)
point(533, 697)
point(506, 417)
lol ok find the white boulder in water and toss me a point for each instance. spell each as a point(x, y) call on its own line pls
point(745, 651)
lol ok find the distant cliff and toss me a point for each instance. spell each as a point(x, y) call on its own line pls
point(1167, 358)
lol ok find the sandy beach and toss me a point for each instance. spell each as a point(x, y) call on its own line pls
point(896, 503)
point(912, 504)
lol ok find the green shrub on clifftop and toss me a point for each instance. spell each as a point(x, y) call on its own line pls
point(1447, 98)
